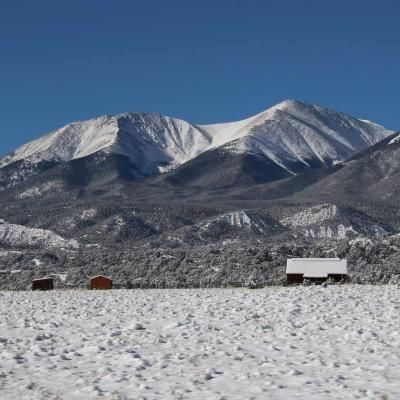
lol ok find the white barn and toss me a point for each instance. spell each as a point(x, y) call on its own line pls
point(315, 269)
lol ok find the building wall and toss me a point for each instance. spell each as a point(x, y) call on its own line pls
point(299, 278)
point(100, 283)
point(43, 284)
point(294, 278)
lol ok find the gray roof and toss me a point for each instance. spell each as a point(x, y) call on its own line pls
point(316, 267)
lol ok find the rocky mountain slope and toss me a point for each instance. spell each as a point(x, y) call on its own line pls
point(372, 175)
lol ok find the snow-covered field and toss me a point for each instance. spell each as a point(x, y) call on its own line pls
point(277, 343)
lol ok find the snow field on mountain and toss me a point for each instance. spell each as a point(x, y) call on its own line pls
point(338, 342)
point(72, 141)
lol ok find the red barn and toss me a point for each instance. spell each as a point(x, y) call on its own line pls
point(100, 282)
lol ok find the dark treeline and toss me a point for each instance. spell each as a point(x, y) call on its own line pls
point(231, 263)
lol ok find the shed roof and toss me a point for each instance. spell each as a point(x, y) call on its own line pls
point(42, 279)
point(316, 267)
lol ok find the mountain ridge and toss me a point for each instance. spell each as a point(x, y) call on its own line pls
point(289, 132)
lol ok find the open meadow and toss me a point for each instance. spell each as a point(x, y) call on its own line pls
point(314, 342)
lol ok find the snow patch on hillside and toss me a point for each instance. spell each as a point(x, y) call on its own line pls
point(42, 190)
point(239, 219)
point(321, 222)
point(22, 236)
point(395, 140)
point(341, 231)
point(335, 232)
point(87, 215)
point(310, 216)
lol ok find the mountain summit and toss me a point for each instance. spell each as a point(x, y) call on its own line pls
point(299, 133)
point(147, 139)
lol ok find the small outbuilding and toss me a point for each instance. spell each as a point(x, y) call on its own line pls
point(43, 284)
point(315, 269)
point(100, 282)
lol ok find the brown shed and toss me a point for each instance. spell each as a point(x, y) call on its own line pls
point(100, 282)
point(43, 284)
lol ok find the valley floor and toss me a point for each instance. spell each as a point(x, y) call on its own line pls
point(312, 342)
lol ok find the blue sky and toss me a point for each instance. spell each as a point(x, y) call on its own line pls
point(204, 61)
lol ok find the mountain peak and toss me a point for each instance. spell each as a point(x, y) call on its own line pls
point(293, 132)
point(289, 103)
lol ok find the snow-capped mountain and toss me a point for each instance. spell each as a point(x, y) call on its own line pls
point(149, 140)
point(286, 139)
point(294, 134)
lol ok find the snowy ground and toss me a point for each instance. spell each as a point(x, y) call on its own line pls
point(279, 343)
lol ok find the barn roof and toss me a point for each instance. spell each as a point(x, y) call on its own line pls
point(316, 267)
